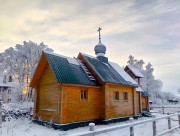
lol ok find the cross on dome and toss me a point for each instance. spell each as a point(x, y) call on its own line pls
point(100, 49)
point(99, 30)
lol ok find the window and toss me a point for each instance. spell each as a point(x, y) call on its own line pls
point(9, 100)
point(125, 96)
point(84, 94)
point(9, 91)
point(10, 78)
point(116, 95)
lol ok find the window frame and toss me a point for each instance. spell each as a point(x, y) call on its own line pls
point(9, 91)
point(116, 95)
point(83, 94)
point(9, 100)
point(125, 96)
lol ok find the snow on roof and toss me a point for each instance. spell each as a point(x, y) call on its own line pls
point(70, 60)
point(87, 55)
point(139, 89)
point(150, 101)
point(7, 84)
point(136, 71)
point(92, 57)
point(122, 72)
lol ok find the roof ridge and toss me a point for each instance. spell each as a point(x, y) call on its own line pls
point(88, 55)
point(70, 60)
point(55, 54)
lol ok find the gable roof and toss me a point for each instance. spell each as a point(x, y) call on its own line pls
point(66, 70)
point(125, 75)
point(109, 72)
point(122, 72)
point(135, 71)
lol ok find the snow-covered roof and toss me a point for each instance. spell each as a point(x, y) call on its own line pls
point(123, 73)
point(105, 71)
point(136, 71)
point(70, 60)
point(114, 65)
point(139, 89)
point(150, 101)
point(88, 55)
point(7, 84)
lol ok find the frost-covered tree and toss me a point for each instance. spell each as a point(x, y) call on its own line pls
point(178, 90)
point(21, 61)
point(169, 96)
point(131, 60)
point(149, 83)
point(16, 94)
point(135, 63)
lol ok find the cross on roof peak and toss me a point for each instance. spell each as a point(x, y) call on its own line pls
point(99, 30)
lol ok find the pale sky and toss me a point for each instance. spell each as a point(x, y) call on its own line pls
point(147, 29)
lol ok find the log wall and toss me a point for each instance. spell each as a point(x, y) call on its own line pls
point(145, 105)
point(75, 109)
point(48, 97)
point(137, 100)
point(118, 108)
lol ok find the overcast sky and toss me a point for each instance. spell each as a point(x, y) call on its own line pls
point(147, 29)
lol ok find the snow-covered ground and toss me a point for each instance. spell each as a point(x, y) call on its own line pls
point(24, 127)
point(167, 108)
point(12, 106)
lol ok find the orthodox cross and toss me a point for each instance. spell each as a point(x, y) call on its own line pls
point(99, 30)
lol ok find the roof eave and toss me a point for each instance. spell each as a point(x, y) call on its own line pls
point(39, 65)
point(122, 84)
point(81, 85)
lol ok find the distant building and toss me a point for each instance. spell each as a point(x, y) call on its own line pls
point(6, 86)
point(173, 101)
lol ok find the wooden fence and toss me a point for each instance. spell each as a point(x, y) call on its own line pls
point(132, 125)
point(166, 109)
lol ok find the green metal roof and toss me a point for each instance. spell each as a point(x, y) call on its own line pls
point(145, 93)
point(66, 71)
point(107, 73)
